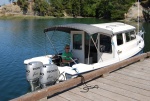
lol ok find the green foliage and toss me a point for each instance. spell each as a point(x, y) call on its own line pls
point(107, 9)
point(113, 9)
point(75, 8)
point(104, 9)
point(57, 7)
point(23, 5)
point(42, 8)
point(89, 8)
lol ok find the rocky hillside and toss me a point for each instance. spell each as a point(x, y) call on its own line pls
point(133, 12)
point(10, 10)
point(14, 10)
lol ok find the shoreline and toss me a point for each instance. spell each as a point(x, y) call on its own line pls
point(130, 15)
point(10, 16)
point(52, 17)
point(25, 17)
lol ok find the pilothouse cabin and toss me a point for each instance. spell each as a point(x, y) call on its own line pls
point(94, 45)
point(90, 49)
point(100, 42)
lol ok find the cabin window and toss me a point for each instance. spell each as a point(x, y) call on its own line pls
point(127, 37)
point(130, 36)
point(119, 39)
point(77, 41)
point(105, 44)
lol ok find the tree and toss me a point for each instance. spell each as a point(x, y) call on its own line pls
point(114, 9)
point(42, 7)
point(23, 5)
point(75, 8)
point(67, 4)
point(104, 9)
point(88, 8)
point(107, 9)
point(57, 7)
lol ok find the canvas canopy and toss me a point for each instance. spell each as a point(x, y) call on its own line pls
point(90, 29)
point(105, 28)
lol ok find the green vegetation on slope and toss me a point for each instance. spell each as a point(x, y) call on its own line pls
point(107, 9)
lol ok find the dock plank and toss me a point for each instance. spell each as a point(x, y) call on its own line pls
point(91, 95)
point(121, 91)
point(145, 63)
point(138, 68)
point(135, 72)
point(131, 83)
point(57, 98)
point(146, 60)
point(128, 78)
point(124, 86)
point(142, 67)
point(73, 97)
point(104, 91)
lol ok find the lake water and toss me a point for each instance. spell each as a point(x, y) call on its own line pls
point(21, 39)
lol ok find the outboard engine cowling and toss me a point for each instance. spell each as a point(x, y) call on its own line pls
point(49, 75)
point(33, 74)
point(33, 70)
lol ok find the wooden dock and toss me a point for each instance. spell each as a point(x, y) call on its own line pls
point(131, 83)
point(128, 80)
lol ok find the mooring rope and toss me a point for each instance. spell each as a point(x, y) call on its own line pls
point(87, 87)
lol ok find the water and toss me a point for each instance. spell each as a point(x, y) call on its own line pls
point(146, 26)
point(21, 39)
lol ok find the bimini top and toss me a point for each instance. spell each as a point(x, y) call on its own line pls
point(105, 28)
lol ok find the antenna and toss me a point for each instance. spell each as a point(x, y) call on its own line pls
point(138, 17)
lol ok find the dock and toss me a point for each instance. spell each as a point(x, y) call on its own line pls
point(128, 80)
point(131, 83)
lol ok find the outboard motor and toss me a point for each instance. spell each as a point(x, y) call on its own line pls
point(49, 75)
point(33, 74)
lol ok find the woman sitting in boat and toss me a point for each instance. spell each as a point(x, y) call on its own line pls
point(67, 57)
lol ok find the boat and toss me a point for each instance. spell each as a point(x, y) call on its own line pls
point(94, 45)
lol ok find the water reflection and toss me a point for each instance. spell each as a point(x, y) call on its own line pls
point(146, 27)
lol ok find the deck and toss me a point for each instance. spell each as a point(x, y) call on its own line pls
point(131, 83)
point(128, 80)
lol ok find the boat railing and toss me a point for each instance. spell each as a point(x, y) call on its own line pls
point(116, 25)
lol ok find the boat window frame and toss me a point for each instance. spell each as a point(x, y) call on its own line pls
point(79, 44)
point(127, 34)
point(102, 45)
point(117, 40)
point(130, 37)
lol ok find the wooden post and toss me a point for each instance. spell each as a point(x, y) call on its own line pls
point(148, 54)
point(142, 59)
point(105, 74)
point(44, 99)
